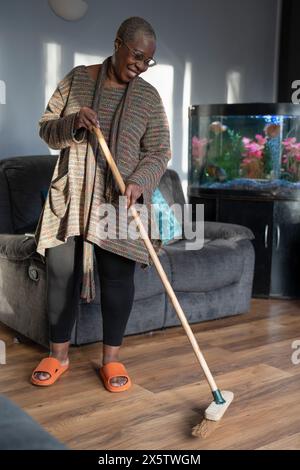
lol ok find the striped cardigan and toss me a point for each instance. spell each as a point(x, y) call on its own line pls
point(143, 151)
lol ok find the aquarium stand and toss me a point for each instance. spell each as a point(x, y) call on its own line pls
point(276, 226)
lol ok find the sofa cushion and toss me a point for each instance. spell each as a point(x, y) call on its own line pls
point(147, 281)
point(5, 207)
point(218, 264)
point(27, 178)
point(171, 189)
point(233, 232)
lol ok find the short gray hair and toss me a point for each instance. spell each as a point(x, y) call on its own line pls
point(132, 25)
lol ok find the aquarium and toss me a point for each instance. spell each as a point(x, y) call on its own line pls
point(249, 147)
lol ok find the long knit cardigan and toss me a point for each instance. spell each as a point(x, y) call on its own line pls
point(142, 151)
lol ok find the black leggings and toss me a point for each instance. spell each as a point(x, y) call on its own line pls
point(116, 273)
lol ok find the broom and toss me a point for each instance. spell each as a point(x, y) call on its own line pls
point(221, 400)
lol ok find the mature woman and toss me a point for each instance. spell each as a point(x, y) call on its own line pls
point(131, 116)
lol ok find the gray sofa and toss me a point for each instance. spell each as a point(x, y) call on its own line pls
point(210, 283)
point(18, 431)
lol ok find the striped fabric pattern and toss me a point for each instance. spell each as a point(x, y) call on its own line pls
point(142, 152)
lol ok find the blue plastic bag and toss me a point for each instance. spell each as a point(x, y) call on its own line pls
point(168, 226)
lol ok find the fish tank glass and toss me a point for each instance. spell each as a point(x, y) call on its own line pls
point(248, 147)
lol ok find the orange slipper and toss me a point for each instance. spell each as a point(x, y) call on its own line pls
point(51, 366)
point(112, 370)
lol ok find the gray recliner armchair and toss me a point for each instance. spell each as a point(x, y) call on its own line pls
point(210, 283)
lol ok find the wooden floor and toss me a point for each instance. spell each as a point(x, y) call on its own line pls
point(248, 354)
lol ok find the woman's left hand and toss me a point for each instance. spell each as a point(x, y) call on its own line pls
point(133, 192)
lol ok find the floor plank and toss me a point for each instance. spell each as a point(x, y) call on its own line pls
point(249, 354)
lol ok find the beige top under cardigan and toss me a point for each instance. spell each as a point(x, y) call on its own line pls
point(142, 153)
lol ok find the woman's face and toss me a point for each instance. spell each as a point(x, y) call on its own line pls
point(129, 58)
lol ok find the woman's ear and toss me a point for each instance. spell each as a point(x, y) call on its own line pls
point(118, 42)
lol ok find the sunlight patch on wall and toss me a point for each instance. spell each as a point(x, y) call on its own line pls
point(162, 78)
point(52, 69)
point(87, 59)
point(186, 101)
point(234, 84)
point(2, 101)
point(184, 184)
point(52, 54)
point(2, 92)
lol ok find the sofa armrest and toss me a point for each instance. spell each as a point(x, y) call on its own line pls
point(233, 232)
point(17, 247)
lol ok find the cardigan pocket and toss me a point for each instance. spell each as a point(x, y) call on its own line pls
point(59, 195)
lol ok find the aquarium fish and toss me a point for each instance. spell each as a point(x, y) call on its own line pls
point(216, 172)
point(199, 147)
point(217, 127)
point(272, 130)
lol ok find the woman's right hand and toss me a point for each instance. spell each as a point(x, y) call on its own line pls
point(86, 118)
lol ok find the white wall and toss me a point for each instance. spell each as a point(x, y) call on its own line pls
point(199, 43)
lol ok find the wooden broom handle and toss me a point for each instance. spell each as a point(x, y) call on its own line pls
point(157, 263)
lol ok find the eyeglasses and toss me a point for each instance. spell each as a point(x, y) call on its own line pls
point(139, 56)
